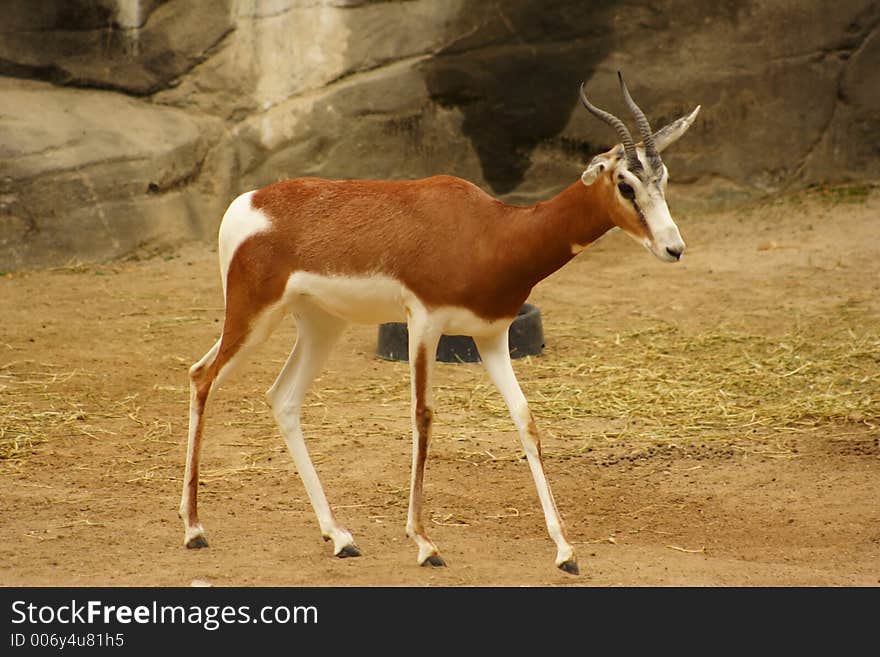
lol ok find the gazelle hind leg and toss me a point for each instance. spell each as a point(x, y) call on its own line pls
point(200, 387)
point(495, 354)
point(422, 349)
point(232, 348)
point(317, 332)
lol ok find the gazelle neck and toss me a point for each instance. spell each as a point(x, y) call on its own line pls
point(559, 229)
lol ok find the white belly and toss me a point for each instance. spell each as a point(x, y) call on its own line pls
point(363, 300)
point(376, 299)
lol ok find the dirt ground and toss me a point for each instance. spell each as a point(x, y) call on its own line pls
point(710, 423)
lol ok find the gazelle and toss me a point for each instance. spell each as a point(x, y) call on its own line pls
point(438, 253)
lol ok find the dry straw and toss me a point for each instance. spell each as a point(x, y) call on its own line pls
point(659, 384)
point(32, 408)
point(664, 386)
point(683, 386)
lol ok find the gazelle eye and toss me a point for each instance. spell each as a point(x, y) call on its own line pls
point(626, 191)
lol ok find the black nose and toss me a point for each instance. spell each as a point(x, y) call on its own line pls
point(675, 253)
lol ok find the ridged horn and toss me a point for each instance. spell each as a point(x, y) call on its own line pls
point(642, 121)
point(619, 126)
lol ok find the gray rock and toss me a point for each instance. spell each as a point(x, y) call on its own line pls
point(135, 46)
point(87, 174)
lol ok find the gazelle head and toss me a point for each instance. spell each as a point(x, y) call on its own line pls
point(636, 178)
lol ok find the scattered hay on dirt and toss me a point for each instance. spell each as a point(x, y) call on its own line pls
point(664, 386)
point(689, 386)
point(33, 407)
point(658, 384)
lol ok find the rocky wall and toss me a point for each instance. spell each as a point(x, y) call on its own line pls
point(128, 124)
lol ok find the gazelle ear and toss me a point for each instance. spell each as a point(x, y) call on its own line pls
point(595, 168)
point(670, 133)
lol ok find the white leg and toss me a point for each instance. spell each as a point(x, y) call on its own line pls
point(422, 351)
point(317, 332)
point(495, 354)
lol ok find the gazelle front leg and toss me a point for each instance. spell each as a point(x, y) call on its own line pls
point(422, 349)
point(495, 354)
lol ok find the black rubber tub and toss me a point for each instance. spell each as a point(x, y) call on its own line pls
point(525, 336)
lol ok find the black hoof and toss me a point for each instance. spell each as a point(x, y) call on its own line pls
point(434, 560)
point(570, 567)
point(349, 551)
point(197, 543)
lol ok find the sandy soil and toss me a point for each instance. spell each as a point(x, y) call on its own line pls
point(770, 477)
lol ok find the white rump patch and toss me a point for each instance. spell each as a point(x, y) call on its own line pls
point(240, 221)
